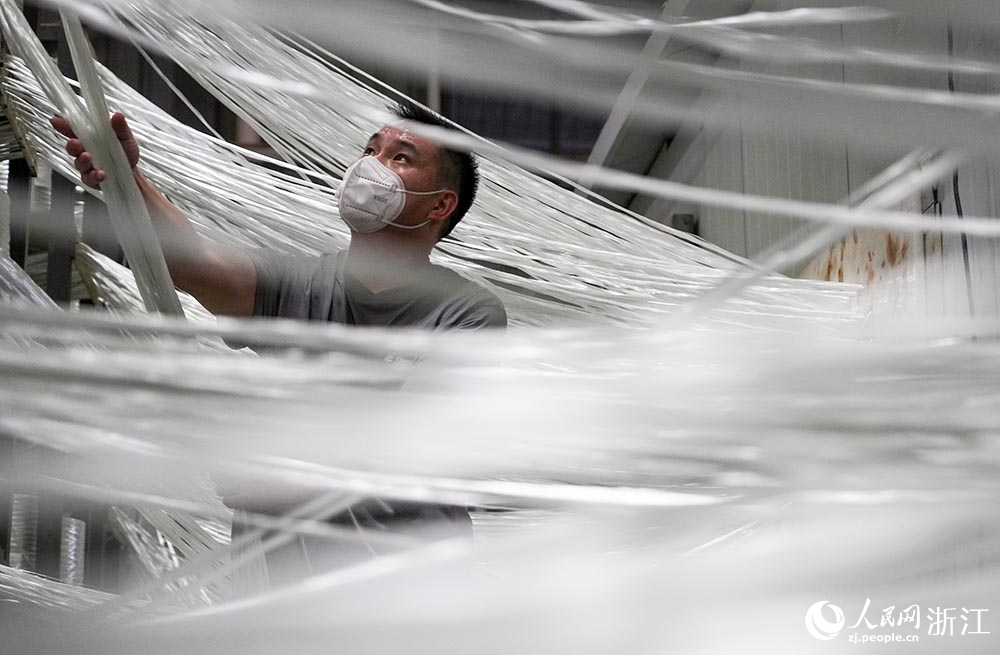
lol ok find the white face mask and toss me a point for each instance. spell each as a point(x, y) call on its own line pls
point(372, 196)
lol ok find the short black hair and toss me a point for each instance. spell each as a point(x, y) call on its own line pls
point(457, 168)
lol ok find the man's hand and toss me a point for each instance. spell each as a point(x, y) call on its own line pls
point(84, 161)
point(222, 278)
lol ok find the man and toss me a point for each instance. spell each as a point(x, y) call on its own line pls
point(403, 195)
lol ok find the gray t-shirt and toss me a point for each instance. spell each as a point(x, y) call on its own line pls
point(321, 289)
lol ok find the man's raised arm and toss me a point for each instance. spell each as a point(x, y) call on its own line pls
point(222, 278)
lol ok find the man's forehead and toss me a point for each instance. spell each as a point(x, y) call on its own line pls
point(394, 132)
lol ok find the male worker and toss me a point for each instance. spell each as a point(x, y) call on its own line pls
point(403, 195)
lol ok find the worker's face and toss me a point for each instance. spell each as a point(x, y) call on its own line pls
point(415, 160)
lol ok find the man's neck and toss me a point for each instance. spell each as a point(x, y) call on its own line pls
point(381, 262)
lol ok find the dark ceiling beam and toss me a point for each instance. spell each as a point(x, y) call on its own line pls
point(622, 109)
point(666, 151)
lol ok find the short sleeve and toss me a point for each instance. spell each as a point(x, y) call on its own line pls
point(487, 312)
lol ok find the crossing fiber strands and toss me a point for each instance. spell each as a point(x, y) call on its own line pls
point(658, 457)
point(587, 261)
point(670, 451)
point(127, 209)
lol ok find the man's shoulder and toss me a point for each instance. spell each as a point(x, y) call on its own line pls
point(458, 285)
point(275, 261)
point(470, 304)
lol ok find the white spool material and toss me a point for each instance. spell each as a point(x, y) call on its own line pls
point(23, 526)
point(72, 563)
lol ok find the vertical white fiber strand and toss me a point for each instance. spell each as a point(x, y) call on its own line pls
point(140, 245)
point(126, 206)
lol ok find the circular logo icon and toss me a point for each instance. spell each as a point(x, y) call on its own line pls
point(819, 627)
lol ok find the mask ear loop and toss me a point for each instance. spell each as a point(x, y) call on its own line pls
point(408, 227)
point(415, 193)
point(421, 193)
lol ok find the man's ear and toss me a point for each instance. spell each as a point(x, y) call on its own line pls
point(444, 207)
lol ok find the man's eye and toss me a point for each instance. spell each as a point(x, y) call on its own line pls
point(401, 157)
point(369, 151)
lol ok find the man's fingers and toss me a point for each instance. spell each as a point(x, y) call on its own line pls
point(93, 178)
point(120, 126)
point(61, 126)
point(84, 162)
point(74, 147)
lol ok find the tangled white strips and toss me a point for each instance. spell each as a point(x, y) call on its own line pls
point(551, 191)
point(586, 57)
point(193, 187)
point(604, 23)
point(874, 449)
point(610, 178)
point(126, 208)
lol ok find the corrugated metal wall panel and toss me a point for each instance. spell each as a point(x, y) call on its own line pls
point(723, 169)
point(785, 166)
point(987, 251)
point(980, 184)
point(975, 190)
point(977, 187)
point(793, 166)
point(789, 167)
point(803, 168)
